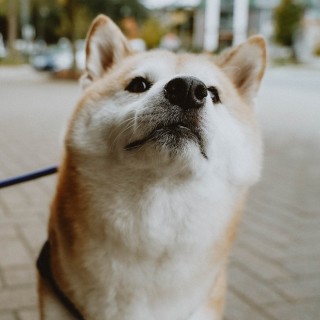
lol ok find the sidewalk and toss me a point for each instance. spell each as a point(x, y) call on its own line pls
point(274, 271)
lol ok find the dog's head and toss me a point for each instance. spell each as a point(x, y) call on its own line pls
point(157, 110)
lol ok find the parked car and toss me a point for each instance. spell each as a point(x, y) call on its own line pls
point(59, 57)
point(3, 51)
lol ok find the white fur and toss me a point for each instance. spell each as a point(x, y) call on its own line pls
point(159, 217)
point(151, 219)
point(156, 245)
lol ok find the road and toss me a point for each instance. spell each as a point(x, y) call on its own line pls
point(274, 271)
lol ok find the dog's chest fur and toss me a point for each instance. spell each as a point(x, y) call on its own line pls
point(151, 253)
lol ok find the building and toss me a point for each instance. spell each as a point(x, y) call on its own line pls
point(215, 24)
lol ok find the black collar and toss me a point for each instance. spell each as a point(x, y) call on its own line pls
point(44, 268)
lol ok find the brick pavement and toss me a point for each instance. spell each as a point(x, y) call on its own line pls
point(274, 271)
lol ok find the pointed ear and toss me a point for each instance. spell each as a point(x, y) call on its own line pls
point(105, 45)
point(245, 66)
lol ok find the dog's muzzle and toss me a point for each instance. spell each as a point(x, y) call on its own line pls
point(179, 116)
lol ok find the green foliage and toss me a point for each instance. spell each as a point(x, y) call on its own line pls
point(13, 60)
point(73, 22)
point(76, 16)
point(55, 18)
point(287, 17)
point(152, 32)
point(3, 7)
point(316, 50)
point(72, 18)
point(116, 9)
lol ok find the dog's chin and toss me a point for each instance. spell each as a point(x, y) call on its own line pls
point(174, 139)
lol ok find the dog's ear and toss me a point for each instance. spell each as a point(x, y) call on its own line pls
point(245, 65)
point(105, 45)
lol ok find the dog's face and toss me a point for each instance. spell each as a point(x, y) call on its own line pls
point(162, 111)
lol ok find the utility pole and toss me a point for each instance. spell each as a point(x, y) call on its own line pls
point(240, 21)
point(71, 12)
point(12, 25)
point(25, 12)
point(211, 25)
point(27, 30)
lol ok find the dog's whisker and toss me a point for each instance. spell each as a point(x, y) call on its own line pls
point(119, 134)
point(116, 127)
point(135, 130)
point(130, 126)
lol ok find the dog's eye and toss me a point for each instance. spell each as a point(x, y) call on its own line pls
point(138, 85)
point(214, 94)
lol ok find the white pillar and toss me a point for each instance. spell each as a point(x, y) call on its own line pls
point(211, 25)
point(25, 12)
point(240, 20)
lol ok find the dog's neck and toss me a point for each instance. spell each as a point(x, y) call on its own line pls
point(162, 203)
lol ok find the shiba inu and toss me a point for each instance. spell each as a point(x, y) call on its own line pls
point(159, 155)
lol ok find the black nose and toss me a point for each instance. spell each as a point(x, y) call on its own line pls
point(186, 92)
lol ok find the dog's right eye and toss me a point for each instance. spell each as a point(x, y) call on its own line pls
point(138, 85)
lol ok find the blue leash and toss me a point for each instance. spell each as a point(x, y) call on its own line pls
point(28, 177)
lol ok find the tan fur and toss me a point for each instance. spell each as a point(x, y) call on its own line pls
point(85, 232)
point(222, 248)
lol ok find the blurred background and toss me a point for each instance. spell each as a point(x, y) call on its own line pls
point(274, 269)
point(50, 34)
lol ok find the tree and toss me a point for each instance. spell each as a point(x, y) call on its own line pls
point(12, 25)
point(152, 32)
point(81, 13)
point(76, 12)
point(117, 9)
point(287, 18)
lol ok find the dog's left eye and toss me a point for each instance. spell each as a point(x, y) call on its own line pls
point(214, 94)
point(138, 85)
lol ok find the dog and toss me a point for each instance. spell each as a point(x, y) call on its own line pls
point(159, 156)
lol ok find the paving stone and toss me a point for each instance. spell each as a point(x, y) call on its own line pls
point(7, 232)
point(36, 194)
point(7, 316)
point(254, 262)
point(31, 314)
point(35, 234)
point(300, 288)
point(19, 276)
point(13, 198)
point(307, 310)
point(3, 216)
point(303, 248)
point(13, 254)
point(237, 309)
point(304, 265)
point(255, 289)
point(258, 244)
point(14, 299)
point(268, 229)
